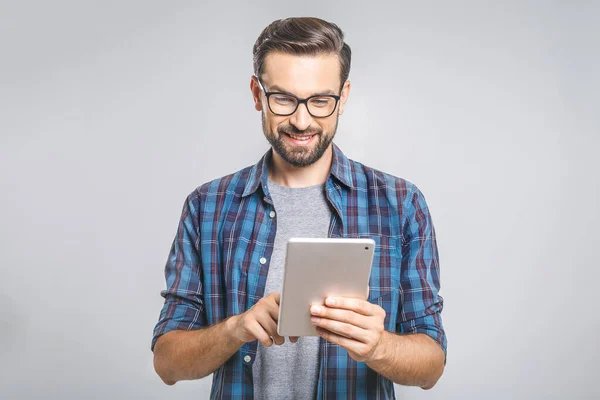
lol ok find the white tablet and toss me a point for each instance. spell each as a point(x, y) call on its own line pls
point(316, 269)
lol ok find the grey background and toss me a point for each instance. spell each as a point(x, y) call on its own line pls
point(112, 112)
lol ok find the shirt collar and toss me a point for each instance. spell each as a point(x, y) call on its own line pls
point(340, 169)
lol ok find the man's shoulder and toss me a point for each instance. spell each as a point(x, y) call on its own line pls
point(232, 184)
point(368, 178)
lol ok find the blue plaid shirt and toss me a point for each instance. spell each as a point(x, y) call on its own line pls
point(214, 271)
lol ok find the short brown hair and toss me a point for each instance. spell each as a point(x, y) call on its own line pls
point(302, 36)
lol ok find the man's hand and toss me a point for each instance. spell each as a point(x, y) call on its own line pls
point(260, 322)
point(353, 324)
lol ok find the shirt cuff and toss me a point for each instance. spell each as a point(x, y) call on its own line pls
point(178, 316)
point(430, 325)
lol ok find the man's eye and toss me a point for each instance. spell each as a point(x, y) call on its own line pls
point(320, 101)
point(283, 99)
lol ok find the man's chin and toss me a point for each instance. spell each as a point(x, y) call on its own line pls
point(294, 160)
point(298, 155)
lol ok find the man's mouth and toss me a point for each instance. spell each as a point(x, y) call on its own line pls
point(301, 137)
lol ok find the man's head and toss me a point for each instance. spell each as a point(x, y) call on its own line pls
point(300, 58)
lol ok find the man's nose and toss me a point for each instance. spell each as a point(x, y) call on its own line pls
point(301, 119)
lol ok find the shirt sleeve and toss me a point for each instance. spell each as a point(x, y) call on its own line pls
point(184, 305)
point(420, 302)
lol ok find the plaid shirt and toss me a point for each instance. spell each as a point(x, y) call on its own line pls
point(214, 268)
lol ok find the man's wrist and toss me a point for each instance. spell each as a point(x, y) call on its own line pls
point(381, 350)
point(230, 325)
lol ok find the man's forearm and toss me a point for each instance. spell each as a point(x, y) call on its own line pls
point(187, 355)
point(410, 360)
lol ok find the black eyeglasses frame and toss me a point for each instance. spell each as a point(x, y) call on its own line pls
point(298, 101)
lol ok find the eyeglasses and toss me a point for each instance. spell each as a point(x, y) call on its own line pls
point(284, 104)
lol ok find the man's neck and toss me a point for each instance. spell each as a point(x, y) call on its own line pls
point(288, 175)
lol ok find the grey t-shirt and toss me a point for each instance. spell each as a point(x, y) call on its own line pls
point(291, 371)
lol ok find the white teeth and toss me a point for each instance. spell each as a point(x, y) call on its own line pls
point(300, 138)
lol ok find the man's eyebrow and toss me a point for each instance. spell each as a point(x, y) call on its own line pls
point(276, 88)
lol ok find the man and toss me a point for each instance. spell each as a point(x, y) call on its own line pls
point(224, 270)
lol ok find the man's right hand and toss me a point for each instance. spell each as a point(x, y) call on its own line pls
point(260, 322)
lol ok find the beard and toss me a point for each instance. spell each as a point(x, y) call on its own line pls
point(299, 156)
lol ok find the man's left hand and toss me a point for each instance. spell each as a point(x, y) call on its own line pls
point(353, 324)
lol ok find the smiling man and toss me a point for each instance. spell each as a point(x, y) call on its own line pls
point(225, 267)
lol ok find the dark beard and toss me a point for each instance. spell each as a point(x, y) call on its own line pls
point(299, 156)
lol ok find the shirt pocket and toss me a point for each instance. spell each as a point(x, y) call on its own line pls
point(384, 281)
point(385, 270)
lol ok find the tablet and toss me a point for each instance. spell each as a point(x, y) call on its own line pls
point(316, 269)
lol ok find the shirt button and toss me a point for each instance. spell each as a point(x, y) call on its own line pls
point(247, 358)
point(263, 260)
point(272, 214)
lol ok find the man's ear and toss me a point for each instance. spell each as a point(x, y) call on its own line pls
point(344, 96)
point(255, 89)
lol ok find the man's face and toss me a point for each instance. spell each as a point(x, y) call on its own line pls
point(302, 76)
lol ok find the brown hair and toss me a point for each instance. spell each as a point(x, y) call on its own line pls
point(302, 36)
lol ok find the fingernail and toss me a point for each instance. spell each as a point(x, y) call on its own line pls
point(330, 302)
point(315, 309)
point(315, 320)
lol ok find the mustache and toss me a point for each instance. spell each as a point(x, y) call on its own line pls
point(294, 131)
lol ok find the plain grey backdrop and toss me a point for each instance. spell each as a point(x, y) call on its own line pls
point(112, 112)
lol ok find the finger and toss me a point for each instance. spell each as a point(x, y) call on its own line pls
point(270, 326)
point(349, 344)
point(347, 316)
point(294, 339)
point(272, 306)
point(357, 305)
point(256, 330)
point(279, 340)
point(343, 329)
point(276, 296)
